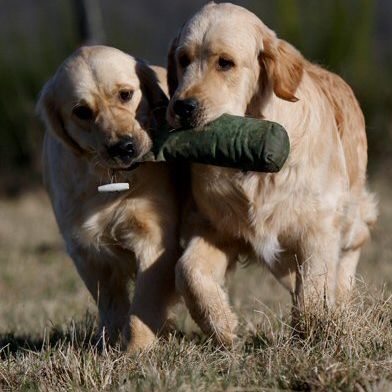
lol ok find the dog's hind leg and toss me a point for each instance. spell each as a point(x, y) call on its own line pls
point(360, 218)
point(318, 253)
point(346, 273)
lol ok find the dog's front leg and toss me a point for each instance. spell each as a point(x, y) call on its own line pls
point(154, 293)
point(200, 276)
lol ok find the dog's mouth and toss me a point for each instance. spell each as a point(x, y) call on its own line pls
point(200, 118)
point(125, 155)
point(116, 163)
point(179, 123)
point(132, 166)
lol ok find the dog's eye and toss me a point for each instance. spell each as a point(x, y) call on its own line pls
point(83, 112)
point(184, 60)
point(126, 95)
point(225, 64)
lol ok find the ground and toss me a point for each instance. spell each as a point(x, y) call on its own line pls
point(47, 324)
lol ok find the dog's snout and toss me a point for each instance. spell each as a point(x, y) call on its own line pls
point(124, 149)
point(185, 108)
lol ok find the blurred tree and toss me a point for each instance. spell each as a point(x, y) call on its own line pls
point(89, 22)
point(288, 20)
point(350, 37)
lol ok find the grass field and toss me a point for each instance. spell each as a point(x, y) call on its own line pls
point(47, 323)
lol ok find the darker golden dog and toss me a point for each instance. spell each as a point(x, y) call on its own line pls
point(309, 221)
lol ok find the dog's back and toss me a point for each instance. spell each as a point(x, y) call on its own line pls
point(352, 131)
point(349, 119)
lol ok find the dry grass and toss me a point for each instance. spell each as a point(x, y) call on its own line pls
point(47, 325)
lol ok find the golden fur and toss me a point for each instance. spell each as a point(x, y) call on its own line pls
point(112, 237)
point(307, 222)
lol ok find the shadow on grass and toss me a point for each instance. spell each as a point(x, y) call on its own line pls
point(78, 335)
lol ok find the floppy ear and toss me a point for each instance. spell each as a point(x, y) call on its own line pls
point(172, 80)
point(156, 97)
point(284, 65)
point(50, 115)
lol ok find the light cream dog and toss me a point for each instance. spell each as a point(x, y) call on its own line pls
point(98, 111)
point(307, 222)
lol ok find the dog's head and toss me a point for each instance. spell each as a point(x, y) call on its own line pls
point(223, 60)
point(100, 104)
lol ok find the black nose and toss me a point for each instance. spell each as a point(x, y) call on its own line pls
point(124, 149)
point(185, 107)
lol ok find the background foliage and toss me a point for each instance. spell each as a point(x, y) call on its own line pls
point(350, 37)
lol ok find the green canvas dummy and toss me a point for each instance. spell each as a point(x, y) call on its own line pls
point(243, 143)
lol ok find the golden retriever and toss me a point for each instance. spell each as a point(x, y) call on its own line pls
point(98, 111)
point(309, 221)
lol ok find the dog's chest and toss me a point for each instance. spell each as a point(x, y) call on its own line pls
point(249, 206)
point(227, 198)
point(110, 223)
